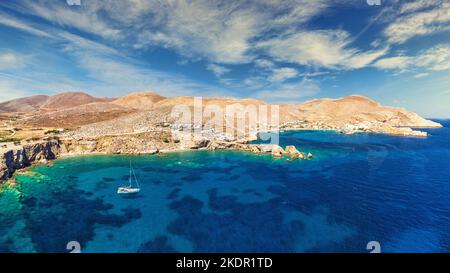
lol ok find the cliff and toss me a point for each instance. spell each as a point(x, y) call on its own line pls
point(21, 156)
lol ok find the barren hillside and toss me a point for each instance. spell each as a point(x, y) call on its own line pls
point(148, 111)
point(26, 104)
point(140, 101)
point(78, 115)
point(354, 109)
point(49, 103)
point(70, 99)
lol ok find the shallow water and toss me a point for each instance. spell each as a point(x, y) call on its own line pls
point(358, 188)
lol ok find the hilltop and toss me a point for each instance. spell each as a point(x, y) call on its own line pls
point(27, 104)
point(49, 103)
point(139, 100)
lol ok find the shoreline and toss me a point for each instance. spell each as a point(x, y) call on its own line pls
point(12, 182)
point(242, 145)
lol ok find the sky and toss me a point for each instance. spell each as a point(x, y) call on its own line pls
point(396, 52)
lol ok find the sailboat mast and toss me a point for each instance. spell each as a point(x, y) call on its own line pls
point(135, 179)
point(129, 180)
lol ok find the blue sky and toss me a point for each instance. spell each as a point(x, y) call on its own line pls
point(397, 53)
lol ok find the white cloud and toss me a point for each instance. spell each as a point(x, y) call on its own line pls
point(325, 48)
point(11, 60)
point(418, 5)
point(399, 62)
point(421, 75)
point(84, 18)
point(12, 22)
point(420, 22)
point(106, 72)
point(313, 74)
point(218, 70)
point(295, 11)
point(263, 63)
point(115, 74)
point(222, 32)
point(364, 59)
point(436, 58)
point(282, 74)
point(74, 42)
point(219, 31)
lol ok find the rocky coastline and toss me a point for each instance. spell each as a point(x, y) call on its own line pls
point(14, 157)
point(145, 125)
point(17, 157)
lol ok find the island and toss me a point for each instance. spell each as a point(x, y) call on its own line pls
point(36, 129)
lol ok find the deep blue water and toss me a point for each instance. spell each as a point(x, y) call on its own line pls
point(358, 188)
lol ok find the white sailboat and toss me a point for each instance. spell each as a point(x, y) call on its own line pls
point(127, 190)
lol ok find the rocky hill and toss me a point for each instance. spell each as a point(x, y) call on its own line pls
point(149, 115)
point(26, 104)
point(78, 115)
point(140, 100)
point(70, 99)
point(356, 109)
point(49, 103)
point(144, 123)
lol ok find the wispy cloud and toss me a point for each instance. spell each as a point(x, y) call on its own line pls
point(436, 58)
point(398, 62)
point(84, 18)
point(264, 63)
point(421, 75)
point(218, 70)
point(417, 5)
point(17, 24)
point(325, 48)
point(419, 18)
point(11, 60)
point(107, 72)
point(220, 31)
point(282, 74)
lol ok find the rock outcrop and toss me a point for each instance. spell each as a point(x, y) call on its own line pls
point(293, 152)
point(142, 143)
point(22, 156)
point(277, 151)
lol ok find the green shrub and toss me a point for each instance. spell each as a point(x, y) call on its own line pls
point(9, 139)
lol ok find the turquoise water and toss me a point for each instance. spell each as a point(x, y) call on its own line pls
point(358, 188)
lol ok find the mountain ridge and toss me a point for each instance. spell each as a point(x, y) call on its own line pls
point(73, 109)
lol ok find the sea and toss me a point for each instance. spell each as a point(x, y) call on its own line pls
point(359, 193)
